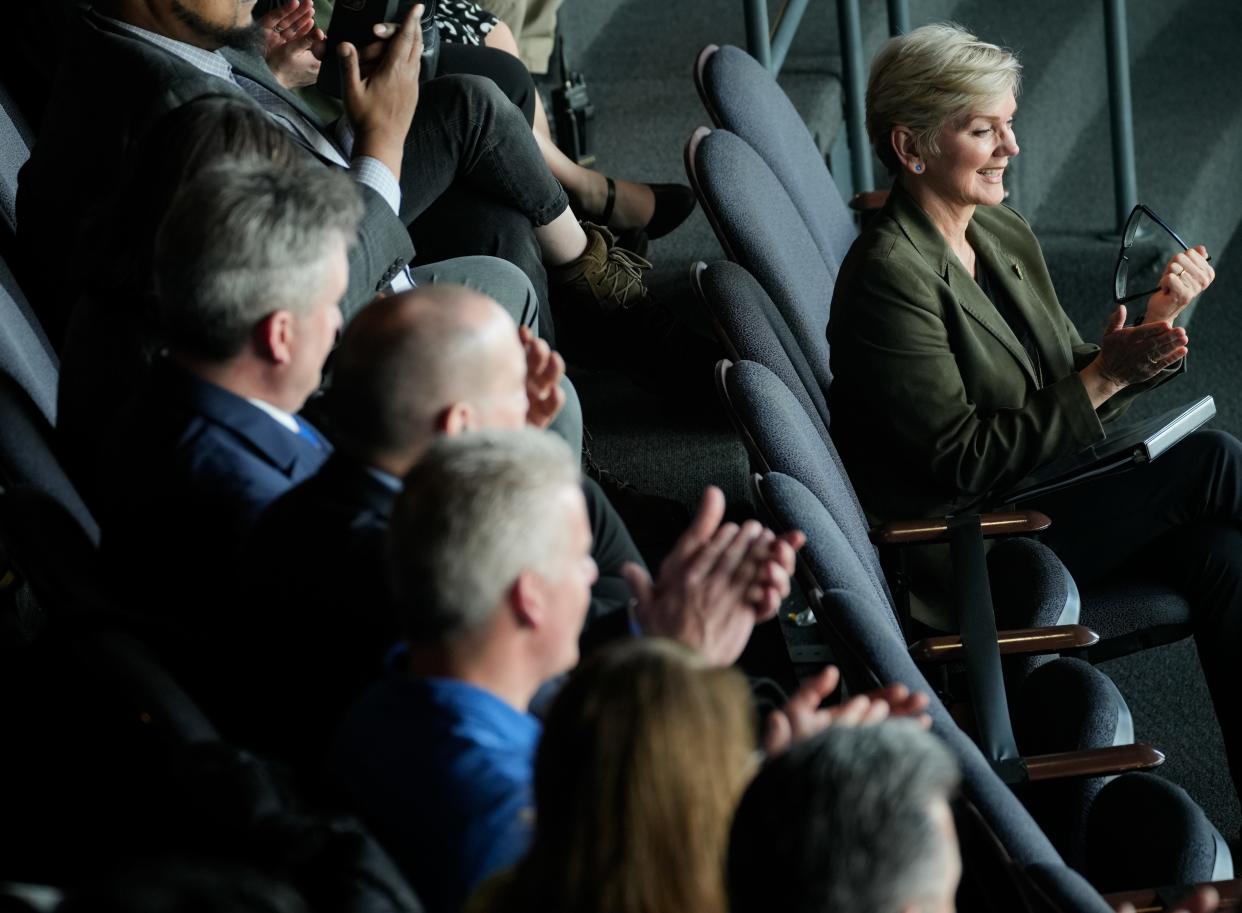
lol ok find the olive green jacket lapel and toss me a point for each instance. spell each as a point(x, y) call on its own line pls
point(1009, 269)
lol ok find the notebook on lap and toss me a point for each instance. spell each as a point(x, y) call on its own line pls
point(1126, 445)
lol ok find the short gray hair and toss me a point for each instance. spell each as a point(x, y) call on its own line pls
point(846, 818)
point(243, 240)
point(928, 77)
point(473, 516)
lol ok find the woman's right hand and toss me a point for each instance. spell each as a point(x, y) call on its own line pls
point(1131, 355)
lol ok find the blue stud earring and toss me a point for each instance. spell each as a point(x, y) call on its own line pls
point(918, 167)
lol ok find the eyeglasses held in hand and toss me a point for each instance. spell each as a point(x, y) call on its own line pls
point(1125, 266)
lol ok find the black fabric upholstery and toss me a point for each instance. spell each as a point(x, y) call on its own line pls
point(1030, 588)
point(752, 329)
point(865, 635)
point(15, 141)
point(790, 444)
point(25, 353)
point(1133, 615)
point(1067, 705)
point(745, 99)
point(760, 227)
point(46, 529)
point(27, 457)
point(1144, 831)
point(138, 687)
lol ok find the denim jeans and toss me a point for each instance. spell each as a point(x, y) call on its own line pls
point(473, 180)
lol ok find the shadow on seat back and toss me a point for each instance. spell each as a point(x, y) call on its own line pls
point(741, 96)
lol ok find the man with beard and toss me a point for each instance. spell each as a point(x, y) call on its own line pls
point(131, 61)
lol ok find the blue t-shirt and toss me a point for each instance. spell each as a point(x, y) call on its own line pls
point(442, 771)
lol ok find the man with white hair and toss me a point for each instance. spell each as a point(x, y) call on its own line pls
point(490, 550)
point(855, 818)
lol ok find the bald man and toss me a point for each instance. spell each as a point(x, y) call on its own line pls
point(438, 360)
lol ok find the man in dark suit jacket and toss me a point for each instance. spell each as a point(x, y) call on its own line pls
point(438, 360)
point(250, 268)
point(131, 61)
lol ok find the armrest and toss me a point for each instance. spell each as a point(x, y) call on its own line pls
point(917, 532)
point(869, 200)
point(1152, 901)
point(1095, 762)
point(1025, 641)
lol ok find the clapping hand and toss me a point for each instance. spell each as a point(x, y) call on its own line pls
point(719, 581)
point(293, 45)
point(1130, 355)
point(1185, 277)
point(544, 370)
point(802, 717)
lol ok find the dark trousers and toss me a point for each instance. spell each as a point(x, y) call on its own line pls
point(473, 180)
point(612, 546)
point(1178, 521)
point(507, 71)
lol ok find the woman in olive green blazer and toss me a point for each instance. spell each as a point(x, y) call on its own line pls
point(957, 373)
point(939, 405)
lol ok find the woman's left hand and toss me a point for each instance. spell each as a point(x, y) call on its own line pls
point(1186, 276)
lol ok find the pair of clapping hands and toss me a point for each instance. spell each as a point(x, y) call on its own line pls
point(379, 82)
point(720, 580)
point(1130, 355)
point(293, 45)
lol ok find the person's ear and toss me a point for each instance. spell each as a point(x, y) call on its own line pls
point(526, 600)
point(904, 147)
point(457, 419)
point(274, 335)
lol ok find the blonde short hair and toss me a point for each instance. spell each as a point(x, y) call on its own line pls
point(928, 77)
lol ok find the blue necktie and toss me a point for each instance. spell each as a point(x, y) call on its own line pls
point(307, 430)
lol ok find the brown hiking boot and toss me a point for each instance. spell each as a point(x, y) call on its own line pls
point(604, 277)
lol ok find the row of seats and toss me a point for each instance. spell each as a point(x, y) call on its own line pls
point(770, 307)
point(111, 759)
point(781, 221)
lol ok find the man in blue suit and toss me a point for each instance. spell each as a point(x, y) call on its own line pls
point(251, 264)
point(437, 360)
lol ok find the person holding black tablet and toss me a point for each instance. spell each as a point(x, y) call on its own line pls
point(957, 373)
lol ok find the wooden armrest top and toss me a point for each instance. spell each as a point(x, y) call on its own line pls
point(1030, 641)
point(1094, 762)
point(909, 532)
point(869, 200)
point(1148, 900)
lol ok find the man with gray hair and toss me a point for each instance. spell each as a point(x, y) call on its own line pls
point(440, 360)
point(855, 818)
point(490, 551)
point(250, 269)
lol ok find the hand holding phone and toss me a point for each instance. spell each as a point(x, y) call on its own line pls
point(368, 26)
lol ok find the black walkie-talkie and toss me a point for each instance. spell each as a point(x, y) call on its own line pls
point(572, 112)
point(355, 20)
